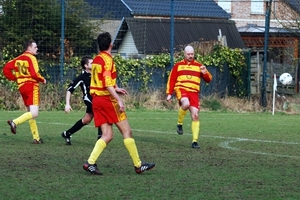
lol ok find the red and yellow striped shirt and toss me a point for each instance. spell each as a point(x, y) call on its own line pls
point(103, 74)
point(23, 69)
point(186, 75)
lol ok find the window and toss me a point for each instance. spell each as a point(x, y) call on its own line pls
point(257, 6)
point(225, 4)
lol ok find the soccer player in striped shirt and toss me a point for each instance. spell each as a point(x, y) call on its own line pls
point(184, 81)
point(109, 108)
point(24, 70)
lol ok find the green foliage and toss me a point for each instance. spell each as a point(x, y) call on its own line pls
point(8, 53)
point(220, 56)
point(233, 57)
point(139, 70)
point(11, 50)
point(41, 20)
point(126, 69)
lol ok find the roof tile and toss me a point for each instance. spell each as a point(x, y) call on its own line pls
point(154, 36)
point(117, 9)
point(182, 8)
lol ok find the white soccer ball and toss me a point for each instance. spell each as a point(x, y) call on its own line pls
point(285, 78)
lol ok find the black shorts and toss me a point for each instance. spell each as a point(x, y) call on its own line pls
point(88, 106)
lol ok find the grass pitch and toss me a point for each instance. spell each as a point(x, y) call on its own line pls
point(242, 156)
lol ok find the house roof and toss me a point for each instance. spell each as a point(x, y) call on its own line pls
point(152, 36)
point(110, 9)
point(182, 8)
point(117, 9)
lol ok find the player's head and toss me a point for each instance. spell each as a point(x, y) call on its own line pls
point(31, 47)
point(189, 53)
point(104, 41)
point(86, 62)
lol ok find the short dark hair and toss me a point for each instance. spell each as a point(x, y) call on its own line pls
point(28, 44)
point(104, 40)
point(85, 61)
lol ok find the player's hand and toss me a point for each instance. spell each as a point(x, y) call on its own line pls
point(121, 105)
point(68, 108)
point(121, 91)
point(203, 69)
point(169, 98)
point(45, 81)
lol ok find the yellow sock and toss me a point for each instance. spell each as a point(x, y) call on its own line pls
point(23, 118)
point(181, 115)
point(98, 148)
point(34, 129)
point(195, 130)
point(132, 149)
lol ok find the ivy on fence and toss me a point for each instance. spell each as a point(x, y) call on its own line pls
point(141, 70)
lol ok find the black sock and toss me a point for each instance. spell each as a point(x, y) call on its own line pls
point(76, 127)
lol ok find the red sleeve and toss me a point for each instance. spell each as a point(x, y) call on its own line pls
point(8, 71)
point(172, 80)
point(206, 77)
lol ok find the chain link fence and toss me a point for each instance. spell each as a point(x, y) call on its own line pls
point(67, 30)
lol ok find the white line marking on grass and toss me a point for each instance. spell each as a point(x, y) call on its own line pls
point(226, 145)
point(252, 140)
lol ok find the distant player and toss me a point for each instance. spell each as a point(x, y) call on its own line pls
point(184, 81)
point(24, 70)
point(83, 80)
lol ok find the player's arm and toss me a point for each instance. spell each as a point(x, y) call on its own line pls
point(114, 93)
point(68, 107)
point(7, 71)
point(171, 83)
point(121, 90)
point(71, 88)
point(205, 74)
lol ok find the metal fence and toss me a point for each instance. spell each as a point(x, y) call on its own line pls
point(66, 30)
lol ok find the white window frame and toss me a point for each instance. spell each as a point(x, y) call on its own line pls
point(257, 7)
point(225, 5)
